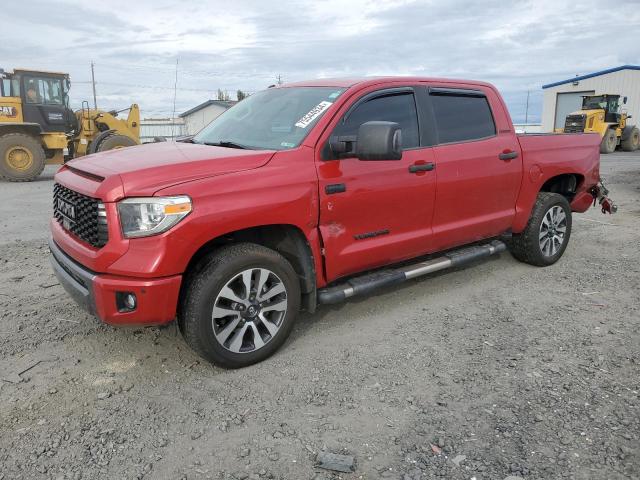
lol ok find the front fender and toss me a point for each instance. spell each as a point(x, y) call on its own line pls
point(283, 192)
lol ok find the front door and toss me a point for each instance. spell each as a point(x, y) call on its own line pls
point(44, 102)
point(374, 213)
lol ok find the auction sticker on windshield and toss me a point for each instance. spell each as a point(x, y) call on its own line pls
point(313, 114)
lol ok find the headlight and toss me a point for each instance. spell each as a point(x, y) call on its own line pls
point(143, 217)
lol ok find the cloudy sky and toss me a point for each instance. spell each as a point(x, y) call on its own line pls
point(245, 44)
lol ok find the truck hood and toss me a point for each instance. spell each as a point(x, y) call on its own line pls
point(145, 169)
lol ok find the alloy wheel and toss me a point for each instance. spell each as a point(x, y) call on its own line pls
point(249, 310)
point(552, 231)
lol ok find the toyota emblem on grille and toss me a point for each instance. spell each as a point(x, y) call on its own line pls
point(66, 209)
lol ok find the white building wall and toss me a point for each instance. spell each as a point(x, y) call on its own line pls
point(623, 82)
point(527, 127)
point(160, 127)
point(196, 121)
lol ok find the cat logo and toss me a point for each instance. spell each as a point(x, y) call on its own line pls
point(7, 111)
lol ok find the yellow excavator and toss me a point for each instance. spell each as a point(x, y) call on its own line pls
point(37, 127)
point(601, 114)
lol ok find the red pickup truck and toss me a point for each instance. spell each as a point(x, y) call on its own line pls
point(311, 193)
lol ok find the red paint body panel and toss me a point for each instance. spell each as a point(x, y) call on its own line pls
point(380, 195)
point(157, 299)
point(476, 191)
point(471, 194)
point(555, 155)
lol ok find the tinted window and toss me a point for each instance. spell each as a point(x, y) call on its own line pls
point(398, 108)
point(463, 117)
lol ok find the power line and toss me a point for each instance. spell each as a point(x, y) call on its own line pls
point(159, 87)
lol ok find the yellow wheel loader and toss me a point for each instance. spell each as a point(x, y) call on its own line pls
point(37, 127)
point(601, 114)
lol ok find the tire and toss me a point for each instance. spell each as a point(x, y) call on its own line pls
point(22, 157)
point(632, 142)
point(216, 318)
point(530, 246)
point(115, 141)
point(609, 142)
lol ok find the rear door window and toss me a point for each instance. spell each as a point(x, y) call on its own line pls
point(462, 117)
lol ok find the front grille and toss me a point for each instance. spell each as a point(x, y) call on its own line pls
point(83, 216)
point(574, 123)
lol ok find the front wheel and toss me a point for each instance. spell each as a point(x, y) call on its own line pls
point(609, 141)
point(547, 233)
point(240, 305)
point(632, 142)
point(22, 157)
point(113, 142)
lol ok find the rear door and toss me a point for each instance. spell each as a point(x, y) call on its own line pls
point(478, 163)
point(374, 213)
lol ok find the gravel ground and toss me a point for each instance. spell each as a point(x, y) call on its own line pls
point(500, 370)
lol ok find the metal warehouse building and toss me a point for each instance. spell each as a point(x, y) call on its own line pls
point(564, 97)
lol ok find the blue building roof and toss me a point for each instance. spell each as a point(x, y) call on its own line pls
point(591, 75)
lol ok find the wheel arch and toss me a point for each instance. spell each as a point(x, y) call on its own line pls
point(288, 240)
point(32, 129)
point(95, 143)
point(566, 184)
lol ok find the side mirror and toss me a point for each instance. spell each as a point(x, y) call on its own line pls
point(624, 100)
point(379, 141)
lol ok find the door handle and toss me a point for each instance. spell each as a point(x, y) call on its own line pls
point(335, 188)
point(423, 167)
point(508, 155)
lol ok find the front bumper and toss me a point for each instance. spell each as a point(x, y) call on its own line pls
point(157, 299)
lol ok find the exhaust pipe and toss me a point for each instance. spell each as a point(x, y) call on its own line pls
point(367, 283)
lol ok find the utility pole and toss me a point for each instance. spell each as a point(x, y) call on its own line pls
point(526, 112)
point(175, 93)
point(93, 83)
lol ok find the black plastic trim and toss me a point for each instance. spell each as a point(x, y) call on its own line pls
point(456, 92)
point(335, 188)
point(75, 279)
point(425, 167)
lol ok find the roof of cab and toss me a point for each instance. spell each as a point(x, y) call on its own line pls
point(366, 81)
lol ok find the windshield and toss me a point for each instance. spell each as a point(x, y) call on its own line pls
point(609, 103)
point(273, 119)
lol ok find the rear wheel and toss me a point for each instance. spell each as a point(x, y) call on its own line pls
point(609, 142)
point(115, 141)
point(547, 233)
point(632, 142)
point(22, 157)
point(240, 305)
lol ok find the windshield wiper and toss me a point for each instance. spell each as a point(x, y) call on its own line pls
point(227, 144)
